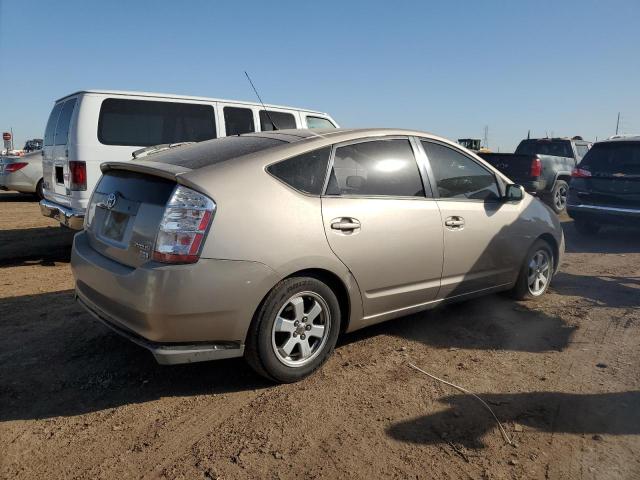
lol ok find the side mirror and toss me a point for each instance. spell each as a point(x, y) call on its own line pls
point(513, 193)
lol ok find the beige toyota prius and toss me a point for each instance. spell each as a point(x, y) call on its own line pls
point(270, 245)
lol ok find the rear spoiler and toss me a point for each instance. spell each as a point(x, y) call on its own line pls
point(164, 170)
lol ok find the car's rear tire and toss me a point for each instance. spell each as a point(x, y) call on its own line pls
point(558, 196)
point(39, 192)
point(536, 272)
point(585, 227)
point(294, 330)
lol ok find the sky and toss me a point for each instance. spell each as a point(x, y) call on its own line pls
point(560, 68)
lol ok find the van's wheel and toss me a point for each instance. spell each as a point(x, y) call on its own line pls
point(558, 196)
point(585, 227)
point(39, 192)
point(294, 330)
point(536, 272)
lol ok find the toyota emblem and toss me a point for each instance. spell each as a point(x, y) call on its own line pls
point(111, 201)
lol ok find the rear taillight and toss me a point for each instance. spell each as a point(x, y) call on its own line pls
point(77, 175)
point(536, 168)
point(14, 167)
point(185, 222)
point(580, 173)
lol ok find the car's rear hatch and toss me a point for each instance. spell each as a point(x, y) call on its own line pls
point(610, 175)
point(126, 209)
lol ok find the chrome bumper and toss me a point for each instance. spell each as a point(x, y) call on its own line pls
point(66, 216)
point(166, 353)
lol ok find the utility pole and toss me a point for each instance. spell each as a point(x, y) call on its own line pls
point(618, 123)
point(486, 136)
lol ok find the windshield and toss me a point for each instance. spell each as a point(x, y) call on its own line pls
point(613, 158)
point(544, 147)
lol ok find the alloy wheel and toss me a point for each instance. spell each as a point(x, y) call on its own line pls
point(560, 198)
point(539, 272)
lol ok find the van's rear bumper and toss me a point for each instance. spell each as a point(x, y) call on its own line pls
point(66, 216)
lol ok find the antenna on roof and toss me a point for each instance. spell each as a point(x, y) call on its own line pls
point(275, 127)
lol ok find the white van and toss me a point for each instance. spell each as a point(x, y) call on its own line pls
point(90, 127)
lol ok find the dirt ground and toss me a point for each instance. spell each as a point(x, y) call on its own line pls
point(77, 401)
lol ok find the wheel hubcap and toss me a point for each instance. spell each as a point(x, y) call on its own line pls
point(301, 329)
point(561, 198)
point(539, 272)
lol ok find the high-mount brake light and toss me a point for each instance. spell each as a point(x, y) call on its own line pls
point(580, 173)
point(187, 217)
point(536, 167)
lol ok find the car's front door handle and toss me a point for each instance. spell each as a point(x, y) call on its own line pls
point(345, 224)
point(454, 222)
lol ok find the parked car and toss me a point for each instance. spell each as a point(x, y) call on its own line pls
point(89, 127)
point(605, 187)
point(32, 145)
point(542, 166)
point(269, 245)
point(22, 174)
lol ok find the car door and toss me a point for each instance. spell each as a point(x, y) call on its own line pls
point(482, 239)
point(382, 224)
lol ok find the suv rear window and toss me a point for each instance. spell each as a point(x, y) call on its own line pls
point(282, 120)
point(142, 123)
point(543, 147)
point(305, 172)
point(216, 151)
point(611, 158)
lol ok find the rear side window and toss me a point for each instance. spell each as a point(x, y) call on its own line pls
point(377, 168)
point(141, 123)
point(282, 120)
point(238, 120)
point(64, 121)
point(305, 172)
point(613, 158)
point(457, 176)
point(319, 122)
point(51, 124)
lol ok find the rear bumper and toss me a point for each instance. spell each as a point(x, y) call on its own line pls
point(66, 216)
point(181, 313)
point(603, 214)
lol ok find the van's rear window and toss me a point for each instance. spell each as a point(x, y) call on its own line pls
point(215, 151)
point(142, 123)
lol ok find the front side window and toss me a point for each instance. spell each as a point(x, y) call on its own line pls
point(143, 123)
point(319, 122)
point(457, 176)
point(238, 120)
point(282, 120)
point(50, 131)
point(377, 168)
point(305, 172)
point(64, 121)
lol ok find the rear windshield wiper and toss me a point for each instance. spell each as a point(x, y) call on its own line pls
point(145, 152)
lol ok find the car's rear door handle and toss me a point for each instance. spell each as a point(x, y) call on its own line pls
point(345, 224)
point(454, 222)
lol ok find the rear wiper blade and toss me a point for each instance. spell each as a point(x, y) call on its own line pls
point(145, 152)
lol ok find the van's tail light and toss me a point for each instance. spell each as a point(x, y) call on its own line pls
point(536, 167)
point(14, 167)
point(185, 222)
point(580, 173)
point(77, 175)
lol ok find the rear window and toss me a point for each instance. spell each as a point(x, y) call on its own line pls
point(238, 120)
point(282, 120)
point(305, 172)
point(558, 149)
point(64, 121)
point(51, 124)
point(215, 151)
point(613, 158)
point(141, 123)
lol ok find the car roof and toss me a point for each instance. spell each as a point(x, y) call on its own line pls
point(622, 138)
point(179, 97)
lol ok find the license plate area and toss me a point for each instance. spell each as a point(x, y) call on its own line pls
point(115, 226)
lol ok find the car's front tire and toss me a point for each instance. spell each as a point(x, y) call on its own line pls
point(536, 272)
point(294, 330)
